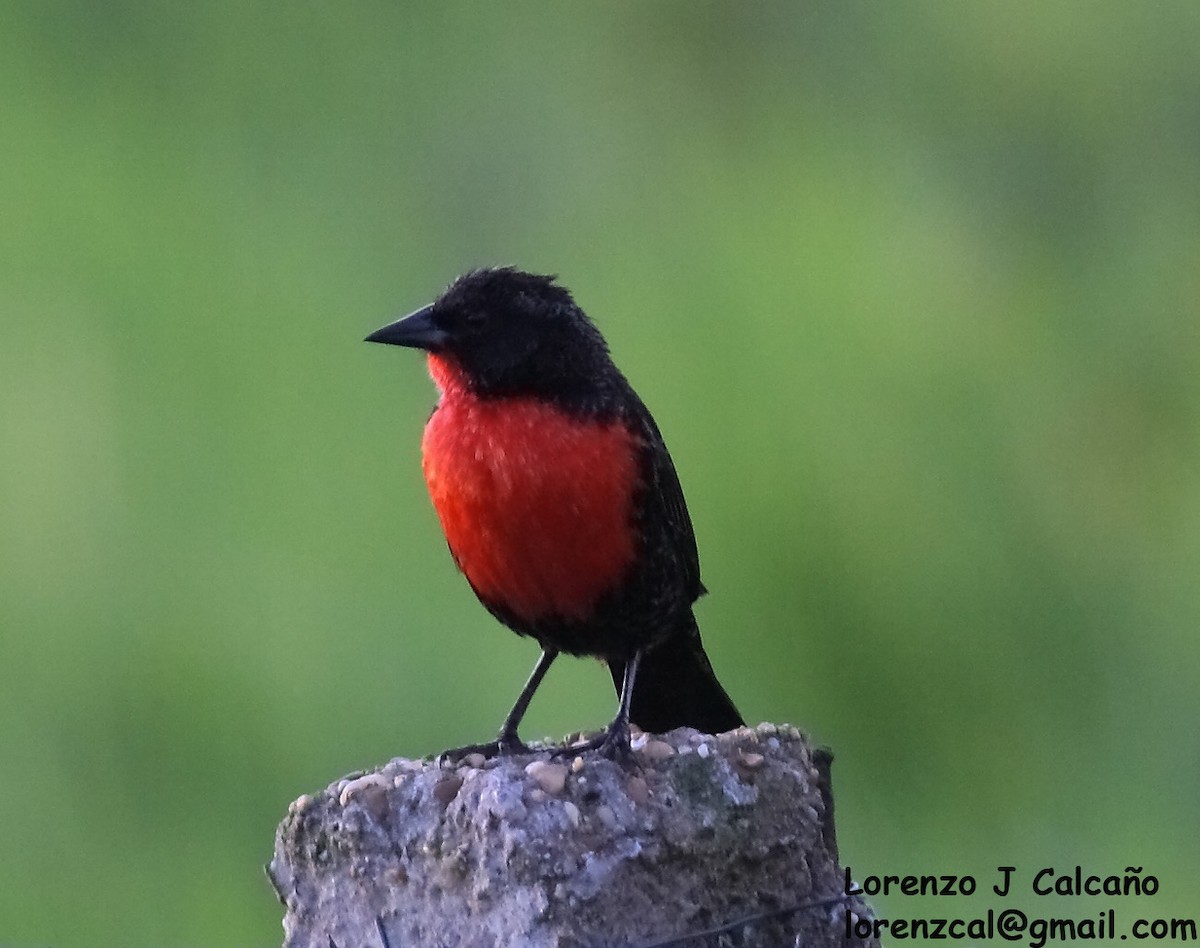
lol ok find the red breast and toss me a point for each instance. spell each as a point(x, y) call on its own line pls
point(537, 505)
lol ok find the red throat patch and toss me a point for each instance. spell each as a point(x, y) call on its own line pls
point(537, 505)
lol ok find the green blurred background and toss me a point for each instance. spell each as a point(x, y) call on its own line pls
point(912, 290)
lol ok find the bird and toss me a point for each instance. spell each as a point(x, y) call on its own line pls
point(560, 502)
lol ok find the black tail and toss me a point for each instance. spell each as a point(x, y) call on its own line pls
point(676, 687)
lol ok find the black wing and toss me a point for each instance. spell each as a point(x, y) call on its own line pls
point(668, 535)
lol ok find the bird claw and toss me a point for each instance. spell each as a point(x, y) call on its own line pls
point(612, 742)
point(505, 745)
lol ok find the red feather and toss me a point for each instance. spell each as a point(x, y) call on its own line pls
point(536, 504)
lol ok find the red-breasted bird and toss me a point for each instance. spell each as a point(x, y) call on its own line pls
point(559, 500)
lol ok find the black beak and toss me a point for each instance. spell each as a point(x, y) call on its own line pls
point(416, 330)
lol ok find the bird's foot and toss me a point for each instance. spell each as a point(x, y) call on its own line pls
point(612, 742)
point(505, 745)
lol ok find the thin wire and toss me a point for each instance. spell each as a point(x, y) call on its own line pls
point(750, 920)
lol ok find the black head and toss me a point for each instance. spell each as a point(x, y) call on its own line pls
point(510, 332)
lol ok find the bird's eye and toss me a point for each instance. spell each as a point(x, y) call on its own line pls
point(467, 317)
point(461, 318)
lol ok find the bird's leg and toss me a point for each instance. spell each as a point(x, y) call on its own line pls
point(614, 742)
point(507, 741)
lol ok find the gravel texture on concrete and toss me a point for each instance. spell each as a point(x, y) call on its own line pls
point(695, 840)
